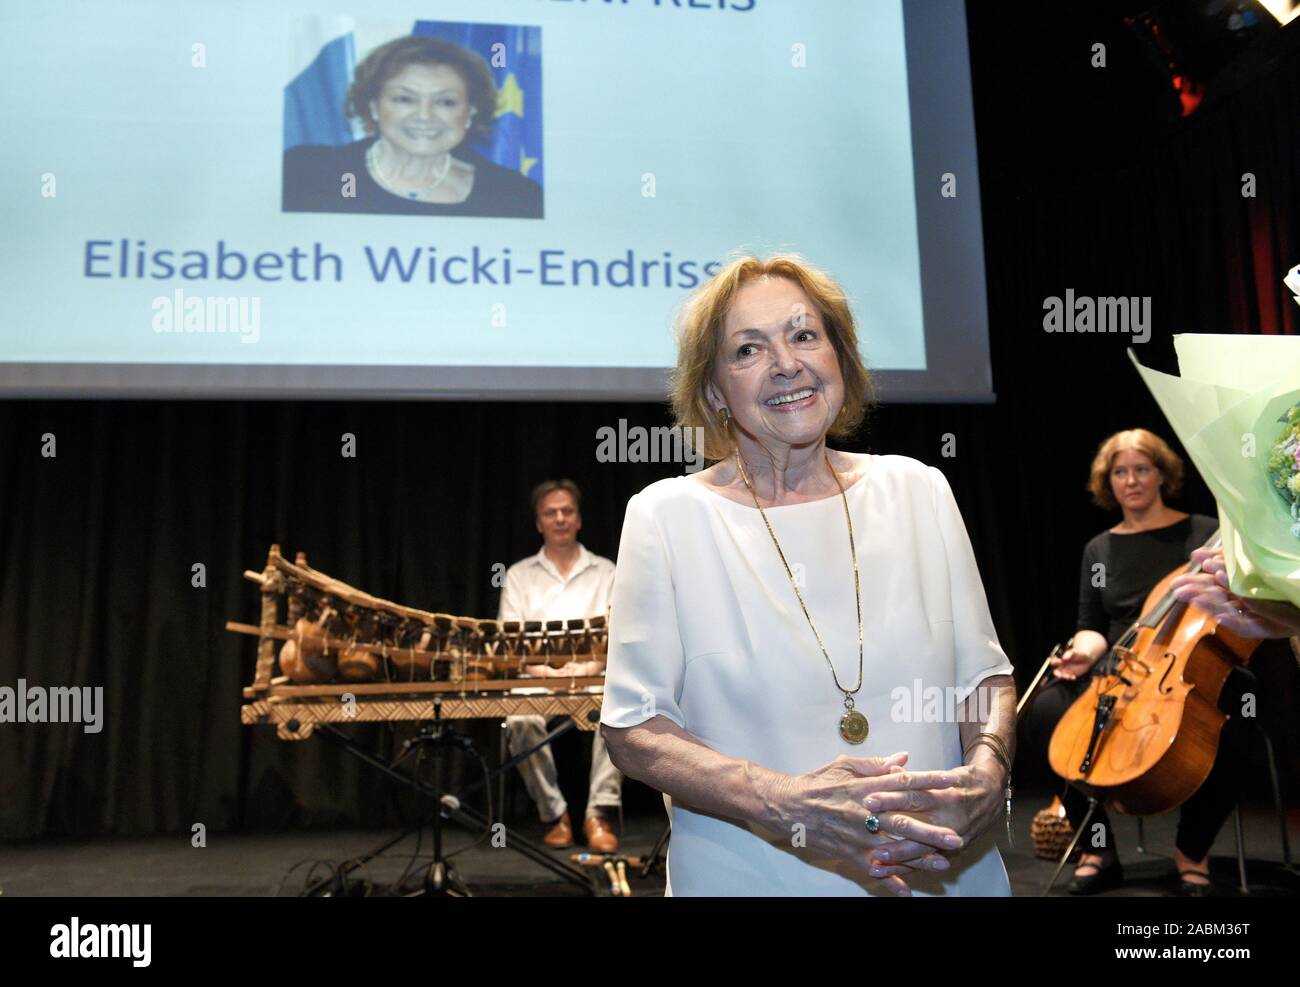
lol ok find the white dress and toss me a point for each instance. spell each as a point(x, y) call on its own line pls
point(706, 630)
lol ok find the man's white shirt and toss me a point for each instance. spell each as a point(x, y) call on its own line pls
point(535, 590)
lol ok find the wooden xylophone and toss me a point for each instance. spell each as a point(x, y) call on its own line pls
point(345, 656)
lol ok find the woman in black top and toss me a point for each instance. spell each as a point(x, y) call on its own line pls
point(1135, 471)
point(421, 100)
point(312, 183)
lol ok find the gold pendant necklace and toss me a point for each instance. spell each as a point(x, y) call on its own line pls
point(853, 725)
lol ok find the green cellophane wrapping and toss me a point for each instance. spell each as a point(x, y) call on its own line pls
point(1225, 407)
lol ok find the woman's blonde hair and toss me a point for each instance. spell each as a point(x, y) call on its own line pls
point(1156, 449)
point(699, 337)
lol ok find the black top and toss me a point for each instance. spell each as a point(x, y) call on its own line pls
point(1133, 565)
point(313, 182)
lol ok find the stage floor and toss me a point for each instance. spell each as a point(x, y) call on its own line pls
point(260, 864)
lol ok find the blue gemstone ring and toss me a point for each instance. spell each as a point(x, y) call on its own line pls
point(873, 823)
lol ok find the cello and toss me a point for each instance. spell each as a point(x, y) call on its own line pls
point(1144, 735)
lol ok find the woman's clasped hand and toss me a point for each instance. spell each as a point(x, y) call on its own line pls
point(923, 815)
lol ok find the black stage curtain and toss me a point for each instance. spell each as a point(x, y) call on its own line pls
point(97, 544)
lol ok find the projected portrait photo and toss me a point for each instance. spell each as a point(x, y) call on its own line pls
point(444, 121)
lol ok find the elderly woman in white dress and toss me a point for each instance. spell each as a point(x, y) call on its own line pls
point(801, 654)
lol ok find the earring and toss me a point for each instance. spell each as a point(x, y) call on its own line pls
point(724, 416)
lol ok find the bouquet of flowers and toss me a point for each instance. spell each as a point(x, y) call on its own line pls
point(1284, 464)
point(1236, 408)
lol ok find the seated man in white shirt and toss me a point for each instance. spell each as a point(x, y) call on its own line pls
point(563, 581)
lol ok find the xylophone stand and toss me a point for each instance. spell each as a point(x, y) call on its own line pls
point(440, 880)
point(452, 805)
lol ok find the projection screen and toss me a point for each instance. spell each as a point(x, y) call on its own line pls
point(214, 199)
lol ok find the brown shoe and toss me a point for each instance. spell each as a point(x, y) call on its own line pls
point(599, 836)
point(560, 833)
